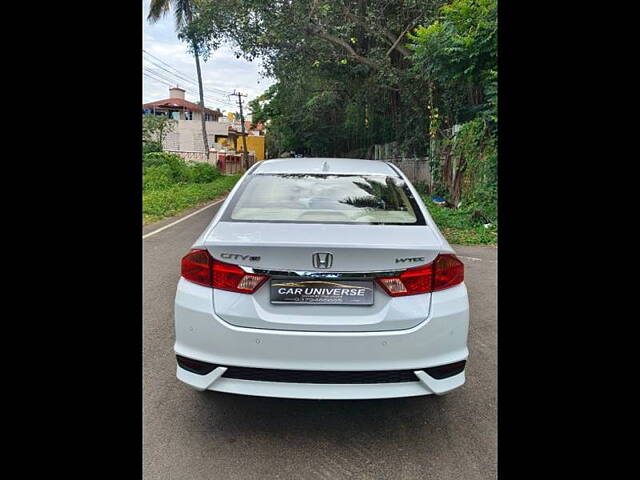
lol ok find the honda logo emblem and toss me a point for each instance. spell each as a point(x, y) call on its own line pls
point(322, 260)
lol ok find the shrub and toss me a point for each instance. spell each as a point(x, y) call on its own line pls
point(476, 143)
point(149, 147)
point(178, 168)
point(157, 177)
point(463, 226)
point(203, 173)
point(162, 170)
point(159, 158)
point(422, 187)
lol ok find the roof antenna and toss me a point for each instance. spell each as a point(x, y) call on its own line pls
point(325, 167)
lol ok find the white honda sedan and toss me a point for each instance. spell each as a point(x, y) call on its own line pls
point(322, 278)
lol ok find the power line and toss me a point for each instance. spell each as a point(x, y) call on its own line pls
point(169, 78)
point(185, 77)
point(159, 74)
point(165, 63)
point(156, 79)
point(168, 82)
point(170, 72)
point(180, 78)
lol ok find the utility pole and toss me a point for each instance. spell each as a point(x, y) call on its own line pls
point(203, 124)
point(245, 158)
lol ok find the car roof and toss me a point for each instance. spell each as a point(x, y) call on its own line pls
point(325, 165)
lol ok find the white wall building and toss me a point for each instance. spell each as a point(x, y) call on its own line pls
point(187, 135)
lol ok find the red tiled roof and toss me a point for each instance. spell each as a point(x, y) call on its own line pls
point(180, 103)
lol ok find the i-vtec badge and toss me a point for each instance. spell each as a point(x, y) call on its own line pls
point(237, 256)
point(409, 259)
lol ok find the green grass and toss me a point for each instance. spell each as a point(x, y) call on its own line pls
point(162, 203)
point(458, 228)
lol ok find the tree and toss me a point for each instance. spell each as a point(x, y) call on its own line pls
point(456, 55)
point(156, 127)
point(368, 32)
point(184, 14)
point(344, 62)
point(353, 74)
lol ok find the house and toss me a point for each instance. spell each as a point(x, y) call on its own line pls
point(187, 135)
point(223, 132)
point(255, 139)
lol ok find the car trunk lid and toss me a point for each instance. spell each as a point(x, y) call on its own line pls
point(355, 248)
point(286, 252)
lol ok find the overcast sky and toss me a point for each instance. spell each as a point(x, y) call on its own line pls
point(223, 71)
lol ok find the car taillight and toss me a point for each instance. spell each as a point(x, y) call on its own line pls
point(444, 272)
point(410, 282)
point(233, 278)
point(198, 266)
point(448, 272)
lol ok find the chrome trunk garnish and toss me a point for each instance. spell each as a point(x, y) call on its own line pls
point(313, 274)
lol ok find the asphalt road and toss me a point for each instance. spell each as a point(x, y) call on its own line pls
point(191, 435)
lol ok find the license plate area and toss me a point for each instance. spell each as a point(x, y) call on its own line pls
point(321, 292)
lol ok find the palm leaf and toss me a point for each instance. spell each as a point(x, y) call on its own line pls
point(157, 10)
point(182, 10)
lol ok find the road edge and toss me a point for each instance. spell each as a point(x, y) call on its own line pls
point(165, 223)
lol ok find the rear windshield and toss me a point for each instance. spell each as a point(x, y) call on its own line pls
point(308, 198)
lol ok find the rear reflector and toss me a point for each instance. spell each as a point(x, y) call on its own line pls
point(195, 366)
point(446, 371)
point(198, 266)
point(444, 272)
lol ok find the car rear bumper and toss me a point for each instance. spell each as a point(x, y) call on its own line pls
point(215, 381)
point(441, 339)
